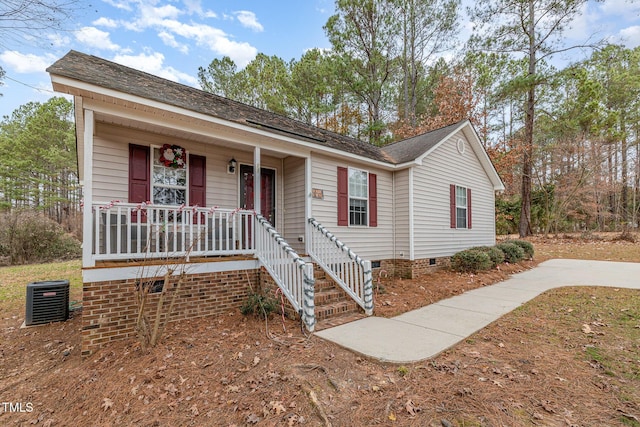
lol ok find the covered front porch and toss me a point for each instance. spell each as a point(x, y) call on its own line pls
point(139, 206)
point(232, 194)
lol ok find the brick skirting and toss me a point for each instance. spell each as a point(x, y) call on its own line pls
point(109, 308)
point(407, 269)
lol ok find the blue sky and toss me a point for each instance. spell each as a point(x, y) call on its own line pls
point(172, 38)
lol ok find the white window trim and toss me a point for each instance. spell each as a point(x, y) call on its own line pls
point(349, 197)
point(152, 184)
point(465, 207)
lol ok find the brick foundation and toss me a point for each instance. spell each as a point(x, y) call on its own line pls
point(406, 269)
point(109, 308)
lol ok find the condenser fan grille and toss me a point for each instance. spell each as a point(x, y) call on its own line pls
point(47, 302)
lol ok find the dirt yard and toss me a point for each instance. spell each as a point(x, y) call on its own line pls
point(571, 357)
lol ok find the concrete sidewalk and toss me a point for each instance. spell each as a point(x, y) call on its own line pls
point(426, 332)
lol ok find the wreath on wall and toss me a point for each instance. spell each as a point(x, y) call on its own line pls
point(173, 156)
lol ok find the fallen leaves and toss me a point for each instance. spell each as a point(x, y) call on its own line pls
point(411, 408)
point(106, 403)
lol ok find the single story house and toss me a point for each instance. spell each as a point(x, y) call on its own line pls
point(242, 196)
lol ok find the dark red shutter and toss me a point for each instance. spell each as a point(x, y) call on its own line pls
point(373, 200)
point(197, 181)
point(468, 208)
point(452, 205)
point(343, 196)
point(139, 176)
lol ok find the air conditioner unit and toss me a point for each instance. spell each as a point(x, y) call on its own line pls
point(47, 302)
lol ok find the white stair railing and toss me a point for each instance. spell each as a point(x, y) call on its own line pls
point(350, 272)
point(291, 273)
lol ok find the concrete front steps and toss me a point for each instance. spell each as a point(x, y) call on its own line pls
point(333, 306)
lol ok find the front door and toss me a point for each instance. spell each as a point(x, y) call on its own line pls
point(267, 191)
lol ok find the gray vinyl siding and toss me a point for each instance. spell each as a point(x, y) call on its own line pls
point(433, 236)
point(371, 243)
point(294, 208)
point(401, 209)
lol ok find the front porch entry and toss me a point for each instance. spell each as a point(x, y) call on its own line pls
point(267, 191)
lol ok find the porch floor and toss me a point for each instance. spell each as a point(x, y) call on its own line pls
point(163, 261)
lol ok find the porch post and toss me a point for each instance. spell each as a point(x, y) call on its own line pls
point(308, 200)
point(87, 190)
point(257, 196)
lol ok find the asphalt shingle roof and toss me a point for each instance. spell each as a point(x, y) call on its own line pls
point(100, 72)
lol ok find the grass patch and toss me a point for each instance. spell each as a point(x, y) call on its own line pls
point(14, 281)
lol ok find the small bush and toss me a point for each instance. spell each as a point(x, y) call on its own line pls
point(589, 236)
point(260, 305)
point(471, 261)
point(495, 254)
point(626, 236)
point(28, 237)
point(512, 252)
point(527, 247)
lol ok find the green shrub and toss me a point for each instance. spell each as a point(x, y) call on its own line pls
point(527, 247)
point(495, 254)
point(471, 261)
point(512, 252)
point(260, 305)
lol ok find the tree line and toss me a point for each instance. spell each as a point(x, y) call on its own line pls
point(564, 138)
point(38, 167)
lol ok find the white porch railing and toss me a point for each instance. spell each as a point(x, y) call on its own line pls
point(135, 231)
point(291, 273)
point(351, 272)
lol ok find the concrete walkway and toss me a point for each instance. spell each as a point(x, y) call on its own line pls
point(426, 332)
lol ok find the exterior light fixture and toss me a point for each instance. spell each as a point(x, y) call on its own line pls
point(231, 168)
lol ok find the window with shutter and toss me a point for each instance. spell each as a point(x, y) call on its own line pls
point(357, 197)
point(138, 173)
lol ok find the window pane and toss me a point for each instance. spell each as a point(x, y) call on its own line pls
point(461, 217)
point(357, 212)
point(163, 196)
point(461, 197)
point(357, 183)
point(164, 176)
point(168, 196)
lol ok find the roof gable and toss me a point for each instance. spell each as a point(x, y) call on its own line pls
point(417, 146)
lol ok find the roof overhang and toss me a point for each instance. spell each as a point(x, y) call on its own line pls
point(107, 101)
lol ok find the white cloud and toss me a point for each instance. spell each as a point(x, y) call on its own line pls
point(195, 7)
point(249, 20)
point(171, 41)
point(150, 16)
point(96, 38)
point(105, 22)
point(214, 39)
point(58, 40)
point(630, 36)
point(26, 63)
point(626, 9)
point(119, 4)
point(173, 32)
point(153, 63)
